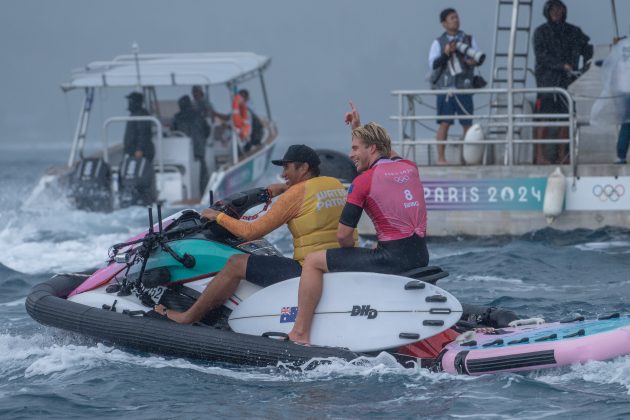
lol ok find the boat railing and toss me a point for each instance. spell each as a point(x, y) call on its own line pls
point(159, 136)
point(506, 128)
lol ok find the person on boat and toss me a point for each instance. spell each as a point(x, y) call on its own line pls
point(219, 123)
point(623, 88)
point(190, 122)
point(138, 134)
point(450, 69)
point(204, 107)
point(241, 118)
point(310, 205)
point(558, 46)
point(612, 107)
point(138, 144)
point(390, 191)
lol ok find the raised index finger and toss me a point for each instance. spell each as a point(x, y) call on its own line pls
point(354, 108)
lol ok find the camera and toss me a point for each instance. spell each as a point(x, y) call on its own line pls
point(470, 52)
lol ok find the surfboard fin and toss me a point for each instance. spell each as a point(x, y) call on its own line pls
point(415, 285)
point(433, 322)
point(436, 298)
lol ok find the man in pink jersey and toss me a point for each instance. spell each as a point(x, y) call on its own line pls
point(390, 191)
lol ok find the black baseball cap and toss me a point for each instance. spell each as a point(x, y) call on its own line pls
point(299, 153)
point(135, 97)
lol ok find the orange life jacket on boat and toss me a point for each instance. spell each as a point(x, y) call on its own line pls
point(240, 118)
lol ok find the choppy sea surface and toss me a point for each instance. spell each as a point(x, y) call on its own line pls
point(47, 372)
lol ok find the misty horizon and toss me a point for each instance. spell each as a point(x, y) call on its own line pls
point(323, 54)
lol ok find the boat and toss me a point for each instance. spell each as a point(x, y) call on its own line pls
point(98, 177)
point(173, 261)
point(492, 186)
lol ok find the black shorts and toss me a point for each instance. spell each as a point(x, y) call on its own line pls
point(265, 270)
point(550, 103)
point(389, 257)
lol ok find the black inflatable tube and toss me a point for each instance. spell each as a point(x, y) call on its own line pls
point(47, 304)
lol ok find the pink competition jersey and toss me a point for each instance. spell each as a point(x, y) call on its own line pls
point(392, 195)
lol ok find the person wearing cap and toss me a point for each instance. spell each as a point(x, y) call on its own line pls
point(137, 138)
point(389, 189)
point(309, 204)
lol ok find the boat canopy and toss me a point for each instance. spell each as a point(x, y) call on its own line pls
point(183, 69)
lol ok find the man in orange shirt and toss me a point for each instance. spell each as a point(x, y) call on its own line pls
point(310, 205)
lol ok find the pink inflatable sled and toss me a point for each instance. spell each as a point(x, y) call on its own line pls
point(542, 346)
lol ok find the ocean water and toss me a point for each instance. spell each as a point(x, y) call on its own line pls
point(51, 373)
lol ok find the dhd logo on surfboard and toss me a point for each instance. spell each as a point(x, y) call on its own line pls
point(364, 310)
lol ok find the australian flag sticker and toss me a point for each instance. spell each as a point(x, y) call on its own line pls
point(288, 314)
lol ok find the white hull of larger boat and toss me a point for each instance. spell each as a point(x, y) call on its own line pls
point(492, 201)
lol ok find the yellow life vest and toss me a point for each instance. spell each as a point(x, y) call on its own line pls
point(315, 226)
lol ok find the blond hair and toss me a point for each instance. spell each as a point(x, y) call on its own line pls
point(374, 134)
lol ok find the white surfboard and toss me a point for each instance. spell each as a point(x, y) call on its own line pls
point(360, 311)
point(245, 289)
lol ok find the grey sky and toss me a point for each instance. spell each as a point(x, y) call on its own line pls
point(323, 52)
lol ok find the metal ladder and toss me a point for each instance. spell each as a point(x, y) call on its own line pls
point(498, 102)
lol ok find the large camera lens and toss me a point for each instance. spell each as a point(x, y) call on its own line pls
point(469, 52)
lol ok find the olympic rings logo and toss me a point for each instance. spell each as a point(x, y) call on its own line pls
point(609, 192)
point(402, 179)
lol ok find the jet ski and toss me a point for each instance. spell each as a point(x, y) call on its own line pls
point(173, 261)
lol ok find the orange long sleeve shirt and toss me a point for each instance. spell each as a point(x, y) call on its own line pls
point(311, 209)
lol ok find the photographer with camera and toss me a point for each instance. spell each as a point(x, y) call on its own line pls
point(452, 59)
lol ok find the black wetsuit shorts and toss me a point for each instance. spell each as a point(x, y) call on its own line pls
point(389, 257)
point(265, 270)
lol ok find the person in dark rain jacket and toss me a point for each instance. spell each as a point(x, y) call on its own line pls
point(137, 139)
point(190, 122)
point(558, 46)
